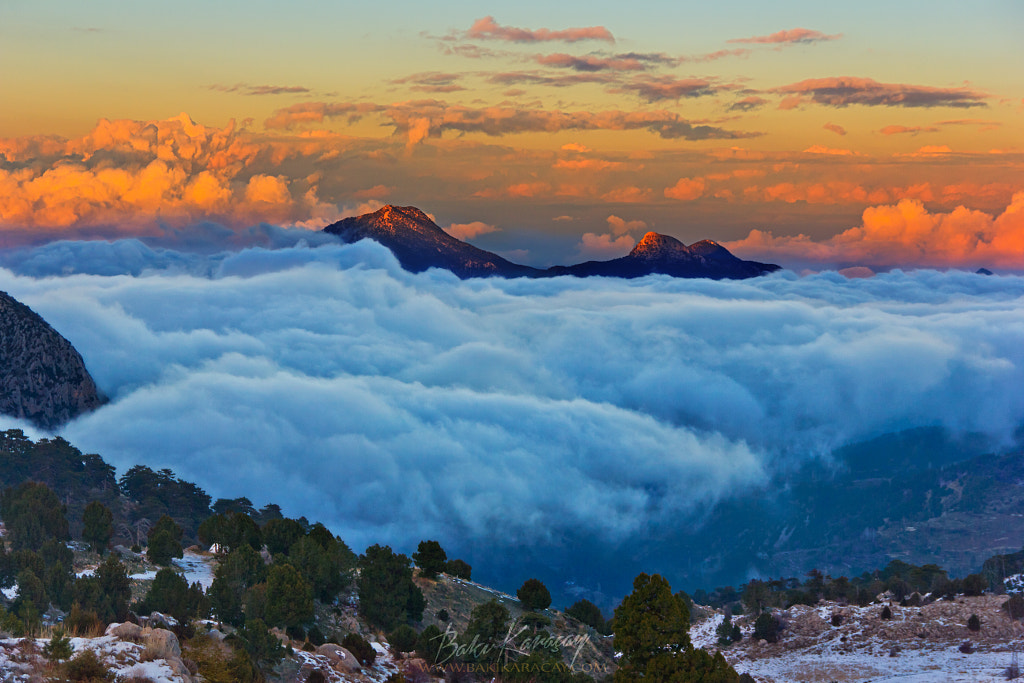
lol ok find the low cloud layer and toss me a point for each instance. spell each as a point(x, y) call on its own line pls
point(329, 380)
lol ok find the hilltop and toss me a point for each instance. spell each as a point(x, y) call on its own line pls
point(418, 243)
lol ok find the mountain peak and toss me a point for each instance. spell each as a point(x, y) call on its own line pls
point(655, 245)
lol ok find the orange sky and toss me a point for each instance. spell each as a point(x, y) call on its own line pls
point(807, 138)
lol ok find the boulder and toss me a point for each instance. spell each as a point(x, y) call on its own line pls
point(341, 659)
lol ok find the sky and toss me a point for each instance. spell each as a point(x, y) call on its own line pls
point(812, 135)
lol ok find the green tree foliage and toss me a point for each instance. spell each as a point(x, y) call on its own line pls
point(231, 530)
point(387, 594)
point(360, 648)
point(262, 645)
point(534, 595)
point(974, 623)
point(766, 628)
point(431, 558)
point(724, 631)
point(974, 584)
point(58, 648)
point(428, 645)
point(33, 514)
point(165, 541)
point(171, 594)
point(268, 512)
point(240, 570)
point(289, 597)
point(403, 638)
point(651, 630)
point(588, 613)
point(279, 535)
point(58, 574)
point(486, 632)
point(460, 569)
point(756, 596)
point(98, 525)
point(30, 592)
point(155, 494)
point(326, 567)
point(107, 592)
point(241, 505)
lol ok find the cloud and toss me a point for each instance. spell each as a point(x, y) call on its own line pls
point(844, 91)
point(904, 130)
point(327, 380)
point(686, 189)
point(467, 231)
point(421, 119)
point(488, 29)
point(655, 89)
point(821, 149)
point(602, 247)
point(748, 103)
point(247, 89)
point(790, 36)
point(629, 194)
point(906, 234)
point(591, 63)
point(431, 81)
point(586, 165)
point(835, 128)
point(621, 226)
point(576, 147)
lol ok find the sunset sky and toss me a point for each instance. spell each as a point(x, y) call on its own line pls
point(879, 134)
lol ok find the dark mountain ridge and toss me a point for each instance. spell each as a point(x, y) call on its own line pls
point(418, 243)
point(43, 378)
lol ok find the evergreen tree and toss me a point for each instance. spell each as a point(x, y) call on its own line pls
point(279, 535)
point(33, 514)
point(164, 541)
point(169, 594)
point(403, 638)
point(431, 558)
point(588, 613)
point(534, 595)
point(98, 523)
point(262, 645)
point(651, 626)
point(766, 628)
point(289, 597)
point(486, 632)
point(387, 594)
point(460, 569)
point(240, 570)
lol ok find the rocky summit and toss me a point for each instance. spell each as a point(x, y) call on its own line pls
point(418, 244)
point(42, 377)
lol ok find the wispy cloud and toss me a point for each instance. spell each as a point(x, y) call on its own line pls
point(658, 88)
point(790, 36)
point(247, 89)
point(846, 90)
point(488, 29)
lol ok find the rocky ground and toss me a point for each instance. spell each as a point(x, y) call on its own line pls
point(917, 644)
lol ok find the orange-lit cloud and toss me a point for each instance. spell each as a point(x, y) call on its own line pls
point(687, 189)
point(488, 29)
point(620, 226)
point(654, 89)
point(835, 128)
point(844, 91)
point(591, 63)
point(907, 130)
point(794, 35)
point(821, 149)
point(467, 231)
point(627, 195)
point(907, 234)
point(748, 103)
point(600, 247)
point(247, 89)
point(430, 118)
point(586, 164)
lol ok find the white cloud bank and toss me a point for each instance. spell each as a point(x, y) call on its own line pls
point(397, 407)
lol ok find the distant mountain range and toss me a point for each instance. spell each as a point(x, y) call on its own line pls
point(418, 243)
point(42, 377)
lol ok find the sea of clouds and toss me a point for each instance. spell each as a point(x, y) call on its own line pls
point(396, 407)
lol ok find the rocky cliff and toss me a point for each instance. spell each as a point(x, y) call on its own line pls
point(42, 377)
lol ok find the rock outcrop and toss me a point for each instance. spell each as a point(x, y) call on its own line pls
point(42, 377)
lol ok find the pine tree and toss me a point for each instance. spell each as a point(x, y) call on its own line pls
point(98, 523)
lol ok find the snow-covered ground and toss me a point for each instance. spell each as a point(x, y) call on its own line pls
point(122, 658)
point(197, 567)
